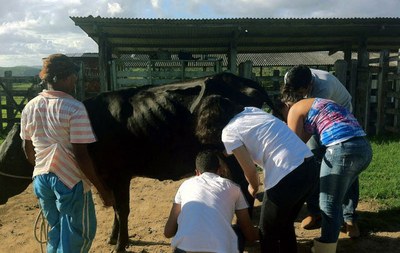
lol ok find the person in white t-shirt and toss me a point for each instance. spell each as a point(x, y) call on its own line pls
point(201, 215)
point(255, 137)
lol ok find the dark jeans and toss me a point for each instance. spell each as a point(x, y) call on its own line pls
point(282, 204)
point(241, 238)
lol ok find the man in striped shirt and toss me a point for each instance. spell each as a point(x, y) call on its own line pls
point(55, 129)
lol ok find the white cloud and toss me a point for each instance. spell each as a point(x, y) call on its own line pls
point(114, 8)
point(155, 3)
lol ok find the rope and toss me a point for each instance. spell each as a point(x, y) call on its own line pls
point(14, 176)
point(40, 227)
point(41, 230)
point(43, 227)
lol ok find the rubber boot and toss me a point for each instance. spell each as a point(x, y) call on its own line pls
point(320, 247)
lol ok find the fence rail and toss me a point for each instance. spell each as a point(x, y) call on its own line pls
point(385, 93)
point(131, 73)
point(383, 98)
point(15, 92)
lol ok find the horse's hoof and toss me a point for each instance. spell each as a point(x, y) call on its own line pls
point(112, 241)
point(120, 250)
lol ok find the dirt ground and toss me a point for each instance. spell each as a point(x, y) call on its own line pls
point(151, 201)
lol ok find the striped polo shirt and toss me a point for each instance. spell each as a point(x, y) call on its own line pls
point(53, 121)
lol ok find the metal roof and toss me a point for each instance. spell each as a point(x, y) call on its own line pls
point(248, 35)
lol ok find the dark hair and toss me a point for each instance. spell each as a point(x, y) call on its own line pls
point(212, 116)
point(296, 78)
point(290, 96)
point(207, 161)
point(279, 105)
point(57, 67)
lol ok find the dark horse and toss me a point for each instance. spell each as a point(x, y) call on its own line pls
point(150, 131)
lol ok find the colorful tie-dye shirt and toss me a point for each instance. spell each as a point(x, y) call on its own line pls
point(332, 122)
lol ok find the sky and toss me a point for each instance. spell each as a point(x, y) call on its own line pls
point(33, 29)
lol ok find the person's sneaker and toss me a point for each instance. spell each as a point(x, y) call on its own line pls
point(352, 230)
point(311, 222)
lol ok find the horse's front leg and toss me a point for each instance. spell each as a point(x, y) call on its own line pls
point(119, 235)
point(122, 213)
point(115, 230)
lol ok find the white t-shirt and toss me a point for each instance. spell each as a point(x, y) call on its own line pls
point(326, 85)
point(270, 142)
point(208, 203)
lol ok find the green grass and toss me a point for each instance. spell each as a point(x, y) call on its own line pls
point(381, 180)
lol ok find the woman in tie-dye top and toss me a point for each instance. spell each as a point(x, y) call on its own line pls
point(347, 154)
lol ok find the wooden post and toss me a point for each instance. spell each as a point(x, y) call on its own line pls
point(396, 122)
point(341, 71)
point(80, 89)
point(8, 73)
point(232, 59)
point(9, 104)
point(104, 59)
point(150, 68)
point(276, 80)
point(218, 66)
point(353, 81)
point(1, 113)
point(3, 120)
point(232, 53)
point(362, 109)
point(245, 69)
point(382, 91)
point(183, 69)
point(115, 84)
point(347, 58)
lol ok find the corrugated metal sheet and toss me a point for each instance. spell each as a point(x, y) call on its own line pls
point(249, 35)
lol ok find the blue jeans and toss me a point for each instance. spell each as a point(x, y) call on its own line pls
point(350, 201)
point(69, 213)
point(340, 167)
